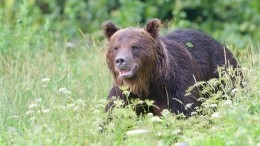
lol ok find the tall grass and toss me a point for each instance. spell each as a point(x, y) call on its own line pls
point(37, 83)
point(55, 96)
point(53, 90)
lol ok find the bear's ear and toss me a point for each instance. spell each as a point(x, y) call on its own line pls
point(153, 27)
point(109, 29)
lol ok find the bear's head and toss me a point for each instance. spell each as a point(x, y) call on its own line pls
point(136, 56)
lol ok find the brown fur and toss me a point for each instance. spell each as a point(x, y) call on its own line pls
point(139, 85)
point(161, 68)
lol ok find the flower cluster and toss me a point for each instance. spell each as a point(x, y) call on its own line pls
point(37, 115)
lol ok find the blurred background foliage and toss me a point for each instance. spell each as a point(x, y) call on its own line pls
point(230, 21)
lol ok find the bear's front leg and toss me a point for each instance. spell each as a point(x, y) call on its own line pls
point(115, 93)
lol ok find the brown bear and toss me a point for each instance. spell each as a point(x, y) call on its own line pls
point(161, 68)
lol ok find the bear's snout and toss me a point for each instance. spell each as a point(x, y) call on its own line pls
point(120, 61)
point(125, 66)
point(123, 59)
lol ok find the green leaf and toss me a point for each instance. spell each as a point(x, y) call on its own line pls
point(190, 45)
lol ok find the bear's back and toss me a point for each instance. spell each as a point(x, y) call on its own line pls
point(206, 51)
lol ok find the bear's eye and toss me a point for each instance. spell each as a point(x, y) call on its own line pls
point(116, 48)
point(135, 48)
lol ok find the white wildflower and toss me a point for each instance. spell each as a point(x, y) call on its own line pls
point(176, 131)
point(76, 108)
point(38, 100)
point(70, 45)
point(32, 118)
point(159, 133)
point(214, 128)
point(64, 91)
point(137, 131)
point(96, 111)
point(227, 103)
point(111, 125)
point(150, 114)
point(244, 84)
point(118, 103)
point(70, 106)
point(166, 113)
point(244, 68)
point(80, 101)
point(194, 113)
point(216, 115)
point(234, 91)
point(62, 107)
point(213, 105)
point(140, 102)
point(48, 128)
point(99, 120)
point(46, 111)
point(156, 119)
point(100, 128)
point(37, 129)
point(29, 113)
point(188, 105)
point(67, 92)
point(32, 105)
point(161, 143)
point(45, 80)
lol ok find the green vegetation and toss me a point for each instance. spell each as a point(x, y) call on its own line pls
point(230, 21)
point(54, 81)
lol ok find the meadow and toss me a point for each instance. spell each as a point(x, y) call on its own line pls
point(55, 95)
point(53, 91)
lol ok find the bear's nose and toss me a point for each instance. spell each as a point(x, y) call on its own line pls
point(120, 61)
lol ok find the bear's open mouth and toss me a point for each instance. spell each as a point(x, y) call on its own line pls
point(127, 73)
point(124, 72)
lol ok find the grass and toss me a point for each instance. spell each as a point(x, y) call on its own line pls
point(52, 92)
